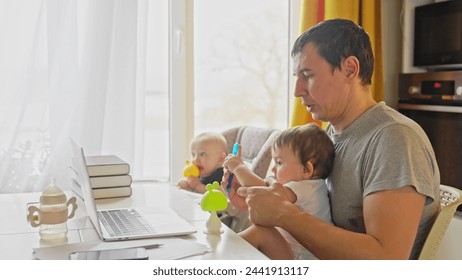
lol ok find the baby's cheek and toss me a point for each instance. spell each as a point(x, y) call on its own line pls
point(204, 172)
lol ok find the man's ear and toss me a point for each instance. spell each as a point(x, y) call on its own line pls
point(351, 67)
point(308, 171)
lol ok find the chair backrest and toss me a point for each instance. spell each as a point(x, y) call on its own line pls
point(256, 153)
point(256, 146)
point(451, 198)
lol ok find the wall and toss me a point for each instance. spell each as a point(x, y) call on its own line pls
point(392, 49)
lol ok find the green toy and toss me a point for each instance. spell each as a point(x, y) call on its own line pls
point(213, 201)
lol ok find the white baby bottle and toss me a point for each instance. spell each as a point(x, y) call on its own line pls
point(52, 213)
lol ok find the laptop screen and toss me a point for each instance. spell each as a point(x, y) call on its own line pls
point(84, 181)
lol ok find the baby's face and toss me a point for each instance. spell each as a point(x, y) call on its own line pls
point(287, 166)
point(207, 156)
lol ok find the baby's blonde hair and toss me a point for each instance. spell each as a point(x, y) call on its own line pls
point(212, 137)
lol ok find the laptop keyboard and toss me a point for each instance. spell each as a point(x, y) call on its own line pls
point(124, 222)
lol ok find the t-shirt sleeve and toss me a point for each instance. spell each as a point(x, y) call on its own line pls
point(397, 157)
point(313, 198)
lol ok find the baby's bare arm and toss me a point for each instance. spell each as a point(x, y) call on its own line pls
point(291, 196)
point(246, 177)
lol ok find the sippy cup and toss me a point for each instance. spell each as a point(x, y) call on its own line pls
point(52, 213)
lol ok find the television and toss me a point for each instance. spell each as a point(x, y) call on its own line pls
point(438, 36)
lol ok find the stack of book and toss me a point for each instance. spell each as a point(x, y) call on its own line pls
point(109, 177)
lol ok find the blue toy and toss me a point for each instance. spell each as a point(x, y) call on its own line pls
point(230, 178)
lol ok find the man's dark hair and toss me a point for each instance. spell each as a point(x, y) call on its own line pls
point(337, 39)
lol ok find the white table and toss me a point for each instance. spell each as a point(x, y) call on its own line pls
point(18, 237)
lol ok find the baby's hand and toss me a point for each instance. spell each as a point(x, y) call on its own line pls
point(196, 185)
point(236, 200)
point(184, 184)
point(232, 162)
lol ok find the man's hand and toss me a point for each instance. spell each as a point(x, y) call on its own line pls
point(266, 204)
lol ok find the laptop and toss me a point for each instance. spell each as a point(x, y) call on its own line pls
point(151, 222)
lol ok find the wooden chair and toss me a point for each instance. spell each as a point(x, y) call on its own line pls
point(451, 198)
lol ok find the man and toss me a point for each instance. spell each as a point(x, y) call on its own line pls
point(384, 187)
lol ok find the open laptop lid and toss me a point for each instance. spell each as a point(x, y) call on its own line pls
point(80, 165)
point(165, 221)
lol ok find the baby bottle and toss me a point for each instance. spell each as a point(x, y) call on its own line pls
point(52, 214)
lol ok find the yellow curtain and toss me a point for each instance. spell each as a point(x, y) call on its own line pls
point(309, 16)
point(365, 13)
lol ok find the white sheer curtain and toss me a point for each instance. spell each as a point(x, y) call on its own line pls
point(68, 68)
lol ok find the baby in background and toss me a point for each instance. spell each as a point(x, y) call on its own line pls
point(303, 158)
point(208, 152)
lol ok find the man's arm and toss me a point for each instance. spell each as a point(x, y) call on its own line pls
point(391, 220)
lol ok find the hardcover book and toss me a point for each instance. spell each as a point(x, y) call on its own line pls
point(112, 192)
point(110, 181)
point(106, 165)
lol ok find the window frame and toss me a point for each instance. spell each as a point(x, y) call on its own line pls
point(181, 84)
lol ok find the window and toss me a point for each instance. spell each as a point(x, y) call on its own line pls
point(231, 51)
point(241, 64)
point(234, 54)
point(178, 67)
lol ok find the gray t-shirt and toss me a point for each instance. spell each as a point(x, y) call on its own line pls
point(381, 150)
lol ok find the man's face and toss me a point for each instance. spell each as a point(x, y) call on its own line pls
point(323, 91)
